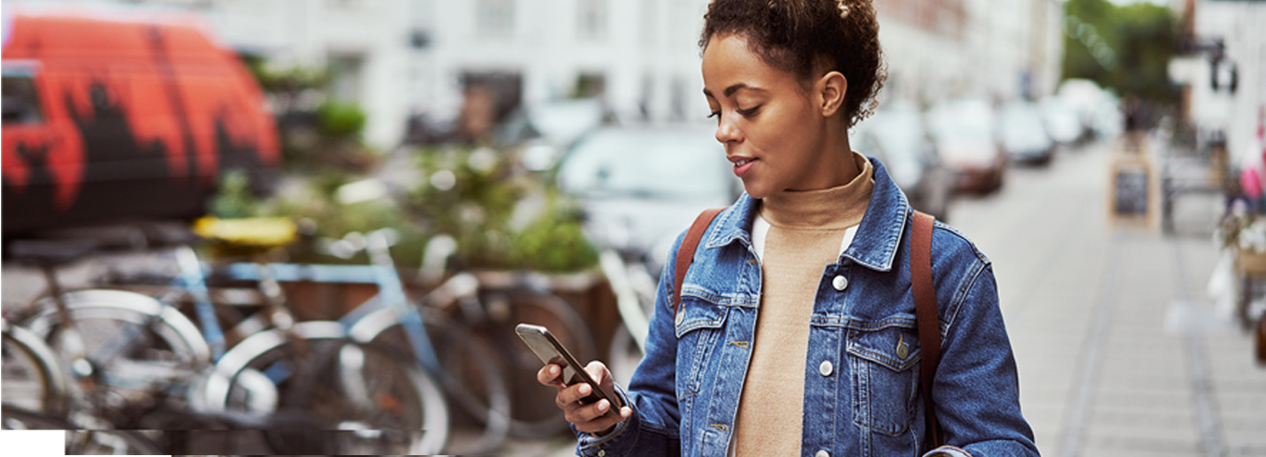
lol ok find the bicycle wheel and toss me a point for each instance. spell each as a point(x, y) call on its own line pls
point(470, 371)
point(80, 442)
point(534, 413)
point(624, 355)
point(136, 344)
point(32, 375)
point(383, 404)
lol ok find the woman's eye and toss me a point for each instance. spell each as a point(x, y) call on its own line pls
point(749, 111)
point(714, 114)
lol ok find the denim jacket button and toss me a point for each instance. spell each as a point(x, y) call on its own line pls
point(826, 368)
point(840, 283)
point(680, 317)
point(822, 453)
point(602, 453)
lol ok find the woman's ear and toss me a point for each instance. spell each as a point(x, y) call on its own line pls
point(831, 89)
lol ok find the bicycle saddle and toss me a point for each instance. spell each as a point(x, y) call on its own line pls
point(248, 234)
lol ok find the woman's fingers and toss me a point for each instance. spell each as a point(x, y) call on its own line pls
point(603, 424)
point(592, 412)
point(588, 417)
point(572, 394)
point(550, 375)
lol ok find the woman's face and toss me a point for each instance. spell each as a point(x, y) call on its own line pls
point(771, 128)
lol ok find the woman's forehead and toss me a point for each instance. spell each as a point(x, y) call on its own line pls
point(730, 65)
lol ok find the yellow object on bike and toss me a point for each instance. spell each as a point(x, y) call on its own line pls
point(260, 232)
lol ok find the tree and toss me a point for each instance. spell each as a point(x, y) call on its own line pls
point(1124, 48)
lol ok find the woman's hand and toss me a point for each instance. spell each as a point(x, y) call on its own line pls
point(591, 418)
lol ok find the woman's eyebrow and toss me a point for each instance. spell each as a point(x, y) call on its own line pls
point(732, 89)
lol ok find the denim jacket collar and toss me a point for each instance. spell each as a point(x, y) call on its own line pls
point(874, 246)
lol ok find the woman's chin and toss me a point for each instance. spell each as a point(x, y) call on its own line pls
point(755, 190)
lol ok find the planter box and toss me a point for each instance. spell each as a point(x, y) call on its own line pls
point(1250, 262)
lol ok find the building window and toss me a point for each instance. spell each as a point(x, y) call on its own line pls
point(21, 99)
point(347, 72)
point(592, 19)
point(589, 85)
point(495, 17)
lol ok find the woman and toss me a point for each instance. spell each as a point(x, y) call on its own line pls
point(796, 331)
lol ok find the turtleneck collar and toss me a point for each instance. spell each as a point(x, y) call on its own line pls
point(831, 208)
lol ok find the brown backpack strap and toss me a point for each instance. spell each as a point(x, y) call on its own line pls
point(926, 317)
point(686, 253)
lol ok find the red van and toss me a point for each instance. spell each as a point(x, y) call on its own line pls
point(116, 118)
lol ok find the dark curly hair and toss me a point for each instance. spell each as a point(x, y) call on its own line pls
point(809, 38)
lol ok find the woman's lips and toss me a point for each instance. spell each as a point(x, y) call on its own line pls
point(743, 166)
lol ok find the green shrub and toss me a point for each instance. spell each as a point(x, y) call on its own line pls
point(341, 119)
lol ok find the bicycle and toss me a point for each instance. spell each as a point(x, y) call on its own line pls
point(72, 341)
point(32, 373)
point(460, 363)
point(635, 290)
point(628, 272)
point(507, 302)
point(453, 344)
point(489, 306)
point(501, 301)
point(132, 323)
point(347, 384)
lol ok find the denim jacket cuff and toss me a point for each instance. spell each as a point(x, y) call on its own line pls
point(947, 451)
point(612, 444)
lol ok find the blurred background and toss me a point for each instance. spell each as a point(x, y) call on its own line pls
point(310, 226)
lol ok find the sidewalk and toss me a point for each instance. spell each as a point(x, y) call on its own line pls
point(1118, 348)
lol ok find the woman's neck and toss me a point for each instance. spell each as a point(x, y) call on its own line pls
point(837, 166)
point(834, 207)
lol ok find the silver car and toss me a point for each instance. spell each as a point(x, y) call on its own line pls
point(897, 137)
point(640, 186)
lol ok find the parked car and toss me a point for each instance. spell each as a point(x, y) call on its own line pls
point(1062, 122)
point(640, 186)
point(110, 119)
point(1022, 134)
point(966, 140)
point(544, 130)
point(897, 137)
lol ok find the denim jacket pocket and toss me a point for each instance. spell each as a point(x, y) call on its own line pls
point(698, 324)
point(885, 375)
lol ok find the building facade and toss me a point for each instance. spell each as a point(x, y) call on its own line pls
point(1224, 73)
point(403, 58)
point(993, 49)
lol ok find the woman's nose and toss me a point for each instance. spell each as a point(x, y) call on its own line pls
point(727, 132)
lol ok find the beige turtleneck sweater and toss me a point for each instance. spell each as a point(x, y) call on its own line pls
point(805, 234)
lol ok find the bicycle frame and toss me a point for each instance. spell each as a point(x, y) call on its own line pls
point(381, 272)
point(194, 278)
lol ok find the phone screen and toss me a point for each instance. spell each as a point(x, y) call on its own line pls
point(550, 350)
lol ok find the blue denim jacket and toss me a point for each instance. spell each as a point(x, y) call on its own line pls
point(861, 395)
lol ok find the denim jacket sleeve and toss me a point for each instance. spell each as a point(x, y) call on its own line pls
point(976, 379)
point(653, 429)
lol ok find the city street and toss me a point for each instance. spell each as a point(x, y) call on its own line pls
point(1119, 350)
point(483, 164)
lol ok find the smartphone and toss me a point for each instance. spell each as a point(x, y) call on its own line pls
point(549, 350)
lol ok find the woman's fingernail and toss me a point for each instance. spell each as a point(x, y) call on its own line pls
point(553, 369)
point(603, 405)
point(584, 389)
